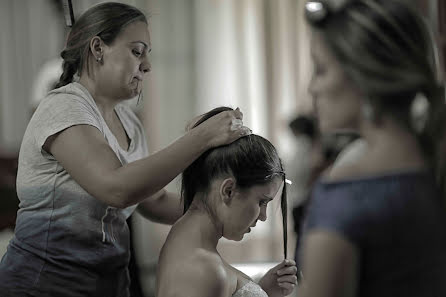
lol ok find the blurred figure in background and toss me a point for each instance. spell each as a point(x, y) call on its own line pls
point(84, 165)
point(377, 225)
point(307, 162)
point(306, 159)
point(225, 191)
point(314, 153)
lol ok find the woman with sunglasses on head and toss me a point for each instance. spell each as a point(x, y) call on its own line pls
point(376, 226)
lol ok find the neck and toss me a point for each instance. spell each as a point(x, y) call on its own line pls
point(209, 231)
point(388, 130)
point(393, 139)
point(105, 104)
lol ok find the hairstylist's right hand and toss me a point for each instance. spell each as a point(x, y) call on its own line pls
point(223, 128)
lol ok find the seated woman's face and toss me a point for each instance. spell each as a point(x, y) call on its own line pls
point(247, 207)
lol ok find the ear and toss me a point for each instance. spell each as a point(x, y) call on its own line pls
point(96, 48)
point(227, 190)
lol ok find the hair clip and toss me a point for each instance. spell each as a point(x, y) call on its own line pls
point(68, 12)
point(316, 11)
point(288, 181)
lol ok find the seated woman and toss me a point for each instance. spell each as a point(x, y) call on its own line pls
point(225, 192)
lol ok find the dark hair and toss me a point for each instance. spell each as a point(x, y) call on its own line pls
point(387, 50)
point(105, 20)
point(251, 160)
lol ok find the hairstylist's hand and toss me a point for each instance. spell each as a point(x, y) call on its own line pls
point(280, 280)
point(223, 128)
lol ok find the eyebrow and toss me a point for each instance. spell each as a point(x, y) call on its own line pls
point(143, 43)
point(268, 197)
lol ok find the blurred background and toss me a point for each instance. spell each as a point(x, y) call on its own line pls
point(252, 54)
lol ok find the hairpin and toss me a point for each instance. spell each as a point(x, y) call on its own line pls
point(68, 12)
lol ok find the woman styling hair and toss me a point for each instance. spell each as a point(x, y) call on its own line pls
point(84, 165)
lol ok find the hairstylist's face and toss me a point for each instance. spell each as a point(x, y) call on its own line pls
point(336, 101)
point(126, 61)
point(248, 206)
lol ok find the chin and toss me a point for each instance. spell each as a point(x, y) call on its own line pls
point(130, 94)
point(235, 237)
point(123, 95)
point(335, 127)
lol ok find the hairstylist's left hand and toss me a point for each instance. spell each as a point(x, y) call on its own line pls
point(280, 280)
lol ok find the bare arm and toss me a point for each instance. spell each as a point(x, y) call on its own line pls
point(163, 207)
point(330, 266)
point(87, 157)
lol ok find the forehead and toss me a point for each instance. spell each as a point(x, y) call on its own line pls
point(136, 31)
point(318, 48)
point(321, 53)
point(271, 189)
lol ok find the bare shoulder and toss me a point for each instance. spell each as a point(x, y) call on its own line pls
point(204, 274)
point(360, 160)
point(349, 163)
point(211, 274)
point(345, 172)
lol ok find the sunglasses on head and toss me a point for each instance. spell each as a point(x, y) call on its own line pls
point(317, 11)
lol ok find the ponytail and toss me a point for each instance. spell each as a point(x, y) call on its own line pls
point(70, 68)
point(432, 137)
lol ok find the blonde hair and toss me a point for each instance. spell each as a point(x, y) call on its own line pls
point(386, 48)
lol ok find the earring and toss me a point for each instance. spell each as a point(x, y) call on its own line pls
point(99, 59)
point(367, 111)
point(419, 112)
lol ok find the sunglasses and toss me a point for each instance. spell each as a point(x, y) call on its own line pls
point(317, 12)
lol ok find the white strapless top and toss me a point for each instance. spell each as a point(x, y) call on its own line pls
point(250, 289)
